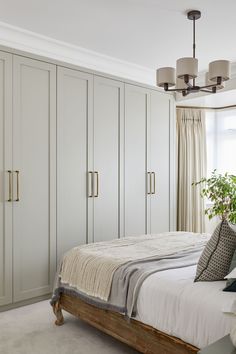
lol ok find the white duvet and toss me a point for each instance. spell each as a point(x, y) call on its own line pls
point(171, 302)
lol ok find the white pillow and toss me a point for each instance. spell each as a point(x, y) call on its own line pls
point(232, 274)
point(229, 306)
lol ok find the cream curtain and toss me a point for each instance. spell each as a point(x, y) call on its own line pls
point(191, 167)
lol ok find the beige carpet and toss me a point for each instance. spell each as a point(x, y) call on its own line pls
point(31, 330)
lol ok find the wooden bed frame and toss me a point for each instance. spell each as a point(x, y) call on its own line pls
point(143, 338)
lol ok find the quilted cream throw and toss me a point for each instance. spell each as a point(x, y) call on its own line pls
point(90, 268)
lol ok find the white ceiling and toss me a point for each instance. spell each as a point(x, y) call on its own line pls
point(220, 99)
point(150, 33)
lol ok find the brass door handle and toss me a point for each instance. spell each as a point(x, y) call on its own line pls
point(90, 184)
point(95, 173)
point(149, 183)
point(9, 186)
point(17, 186)
point(153, 191)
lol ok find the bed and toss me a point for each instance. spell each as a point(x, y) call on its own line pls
point(170, 314)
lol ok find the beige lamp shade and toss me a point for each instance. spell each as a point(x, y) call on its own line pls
point(210, 82)
point(219, 68)
point(187, 66)
point(165, 76)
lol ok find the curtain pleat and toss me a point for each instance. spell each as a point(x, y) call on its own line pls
point(191, 167)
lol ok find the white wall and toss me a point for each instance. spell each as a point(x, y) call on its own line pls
point(211, 224)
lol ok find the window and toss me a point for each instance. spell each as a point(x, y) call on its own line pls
point(221, 141)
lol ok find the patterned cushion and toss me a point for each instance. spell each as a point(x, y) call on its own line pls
point(216, 257)
point(231, 283)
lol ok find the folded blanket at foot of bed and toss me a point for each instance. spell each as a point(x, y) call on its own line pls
point(110, 274)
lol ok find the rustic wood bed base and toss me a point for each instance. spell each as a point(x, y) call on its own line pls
point(143, 338)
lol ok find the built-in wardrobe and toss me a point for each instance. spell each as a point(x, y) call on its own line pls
point(27, 178)
point(83, 158)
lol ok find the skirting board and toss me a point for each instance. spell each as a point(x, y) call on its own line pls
point(24, 302)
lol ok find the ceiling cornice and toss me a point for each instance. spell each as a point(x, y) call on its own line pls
point(31, 42)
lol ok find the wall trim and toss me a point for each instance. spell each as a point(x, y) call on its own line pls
point(34, 43)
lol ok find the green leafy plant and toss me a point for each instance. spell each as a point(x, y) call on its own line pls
point(221, 191)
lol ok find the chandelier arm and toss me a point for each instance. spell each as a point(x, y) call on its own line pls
point(190, 88)
point(209, 86)
point(176, 90)
point(190, 85)
point(205, 90)
point(213, 90)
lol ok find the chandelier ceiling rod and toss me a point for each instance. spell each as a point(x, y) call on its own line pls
point(194, 37)
point(187, 70)
point(194, 43)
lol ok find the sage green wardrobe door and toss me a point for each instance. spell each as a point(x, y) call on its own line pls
point(34, 177)
point(159, 162)
point(5, 178)
point(136, 117)
point(74, 116)
point(108, 119)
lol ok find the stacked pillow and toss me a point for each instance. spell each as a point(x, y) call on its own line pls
point(215, 261)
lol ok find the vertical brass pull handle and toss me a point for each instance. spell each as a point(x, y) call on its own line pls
point(90, 184)
point(17, 186)
point(9, 186)
point(154, 182)
point(149, 183)
point(97, 185)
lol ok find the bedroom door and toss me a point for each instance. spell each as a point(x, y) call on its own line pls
point(158, 133)
point(5, 178)
point(74, 117)
point(135, 166)
point(34, 177)
point(104, 159)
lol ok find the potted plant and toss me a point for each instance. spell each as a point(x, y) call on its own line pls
point(218, 255)
point(221, 191)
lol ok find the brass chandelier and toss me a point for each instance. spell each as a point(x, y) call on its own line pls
point(187, 71)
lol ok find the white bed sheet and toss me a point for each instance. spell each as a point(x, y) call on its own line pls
point(171, 302)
